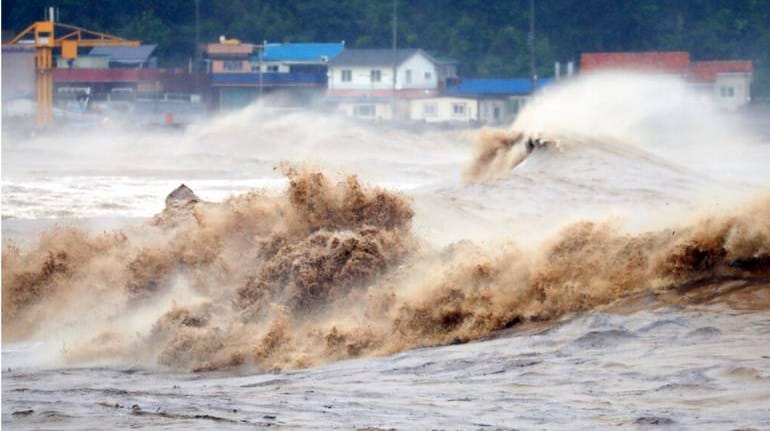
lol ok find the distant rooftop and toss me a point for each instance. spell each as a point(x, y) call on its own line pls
point(494, 86)
point(668, 62)
point(309, 52)
point(707, 71)
point(673, 62)
point(229, 49)
point(125, 54)
point(373, 57)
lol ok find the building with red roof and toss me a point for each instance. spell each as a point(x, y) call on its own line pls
point(674, 62)
point(728, 81)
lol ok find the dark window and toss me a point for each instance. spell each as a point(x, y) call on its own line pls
point(458, 109)
point(233, 65)
point(364, 110)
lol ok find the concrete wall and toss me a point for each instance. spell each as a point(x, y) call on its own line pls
point(492, 111)
point(378, 110)
point(732, 90)
point(422, 71)
point(18, 74)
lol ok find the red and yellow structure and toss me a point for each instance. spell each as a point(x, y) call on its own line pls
point(43, 36)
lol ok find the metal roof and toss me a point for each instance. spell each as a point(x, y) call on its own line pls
point(125, 54)
point(668, 62)
point(373, 57)
point(494, 86)
point(707, 71)
point(302, 51)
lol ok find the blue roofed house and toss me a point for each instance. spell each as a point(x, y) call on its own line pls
point(484, 100)
point(289, 75)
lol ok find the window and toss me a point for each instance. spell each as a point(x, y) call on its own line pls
point(347, 75)
point(272, 68)
point(408, 76)
point(727, 91)
point(429, 110)
point(255, 67)
point(376, 75)
point(233, 65)
point(364, 110)
point(458, 109)
point(428, 76)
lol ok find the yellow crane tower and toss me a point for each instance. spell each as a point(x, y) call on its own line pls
point(42, 35)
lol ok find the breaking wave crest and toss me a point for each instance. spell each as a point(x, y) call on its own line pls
point(331, 269)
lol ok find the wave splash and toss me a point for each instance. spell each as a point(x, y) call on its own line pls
point(331, 269)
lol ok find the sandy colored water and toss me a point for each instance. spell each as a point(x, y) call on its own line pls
point(685, 184)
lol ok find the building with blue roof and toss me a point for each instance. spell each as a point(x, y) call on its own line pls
point(319, 53)
point(287, 74)
point(477, 100)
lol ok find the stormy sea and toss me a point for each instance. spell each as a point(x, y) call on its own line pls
point(601, 262)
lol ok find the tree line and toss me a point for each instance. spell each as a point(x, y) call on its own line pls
point(488, 38)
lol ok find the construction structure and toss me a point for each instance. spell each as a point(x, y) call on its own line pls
point(47, 36)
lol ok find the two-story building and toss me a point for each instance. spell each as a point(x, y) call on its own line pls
point(286, 74)
point(727, 82)
point(378, 83)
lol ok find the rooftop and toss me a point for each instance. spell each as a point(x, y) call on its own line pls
point(373, 57)
point(674, 62)
point(229, 49)
point(125, 54)
point(495, 86)
point(315, 52)
point(706, 71)
point(669, 62)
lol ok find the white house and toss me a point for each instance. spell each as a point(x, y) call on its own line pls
point(729, 82)
point(360, 79)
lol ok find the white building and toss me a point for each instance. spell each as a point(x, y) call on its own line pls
point(727, 81)
point(458, 109)
point(483, 100)
point(361, 81)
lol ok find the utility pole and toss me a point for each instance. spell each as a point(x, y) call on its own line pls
point(533, 69)
point(261, 79)
point(196, 69)
point(197, 34)
point(393, 89)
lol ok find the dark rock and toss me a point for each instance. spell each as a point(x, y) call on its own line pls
point(182, 195)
